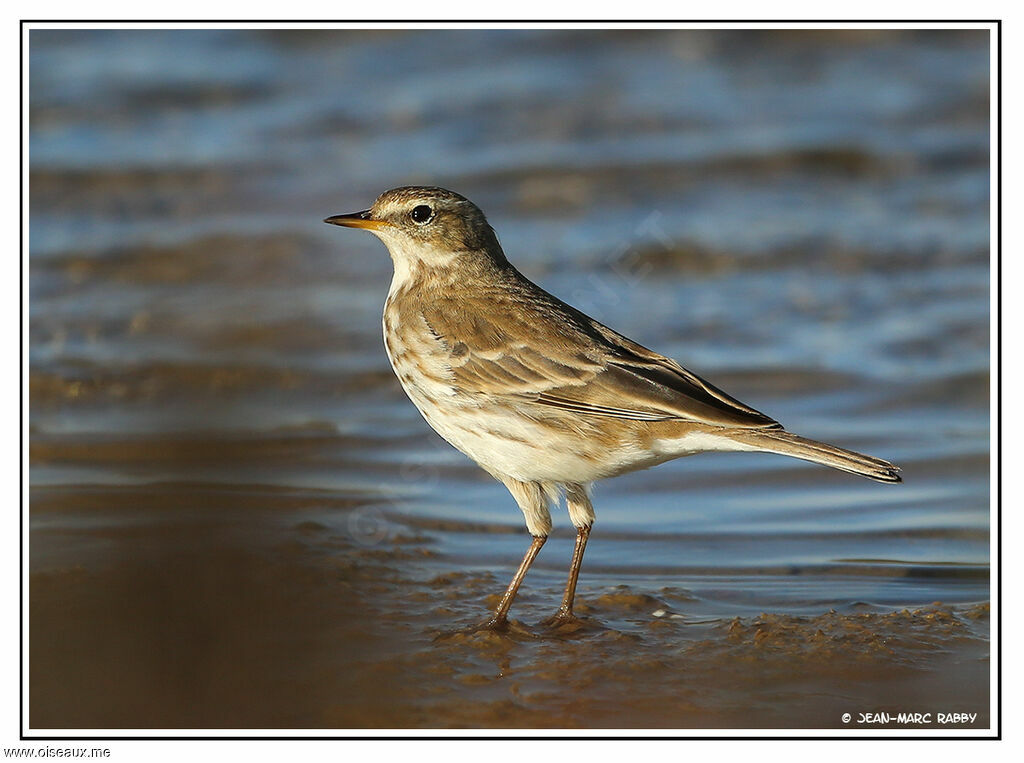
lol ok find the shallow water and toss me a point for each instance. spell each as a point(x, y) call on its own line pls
point(802, 218)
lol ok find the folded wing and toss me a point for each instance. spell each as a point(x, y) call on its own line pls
point(540, 350)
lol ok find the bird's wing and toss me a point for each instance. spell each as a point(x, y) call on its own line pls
point(546, 352)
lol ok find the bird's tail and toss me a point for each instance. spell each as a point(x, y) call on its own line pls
point(786, 444)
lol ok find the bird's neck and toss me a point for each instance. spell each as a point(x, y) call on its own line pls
point(443, 273)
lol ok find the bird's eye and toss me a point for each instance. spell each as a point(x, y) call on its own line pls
point(422, 213)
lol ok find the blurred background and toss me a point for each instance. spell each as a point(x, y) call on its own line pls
point(239, 520)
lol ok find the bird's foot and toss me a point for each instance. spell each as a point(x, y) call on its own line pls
point(564, 622)
point(492, 626)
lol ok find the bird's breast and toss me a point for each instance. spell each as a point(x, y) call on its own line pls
point(418, 357)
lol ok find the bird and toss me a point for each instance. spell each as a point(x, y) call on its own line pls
point(543, 397)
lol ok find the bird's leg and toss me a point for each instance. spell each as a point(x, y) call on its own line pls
point(564, 613)
point(581, 512)
point(499, 620)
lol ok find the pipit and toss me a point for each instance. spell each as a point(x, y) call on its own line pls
point(541, 396)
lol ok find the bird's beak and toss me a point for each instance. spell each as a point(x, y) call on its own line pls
point(357, 220)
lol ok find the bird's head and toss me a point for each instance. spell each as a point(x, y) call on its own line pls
point(423, 225)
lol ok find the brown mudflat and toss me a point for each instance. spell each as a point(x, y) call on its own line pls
point(203, 606)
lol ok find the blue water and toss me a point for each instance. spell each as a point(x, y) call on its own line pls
point(801, 218)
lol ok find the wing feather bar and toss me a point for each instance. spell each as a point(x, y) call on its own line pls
point(600, 410)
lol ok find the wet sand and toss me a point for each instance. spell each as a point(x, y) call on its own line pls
point(203, 605)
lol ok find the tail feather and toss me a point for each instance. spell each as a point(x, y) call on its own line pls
point(786, 444)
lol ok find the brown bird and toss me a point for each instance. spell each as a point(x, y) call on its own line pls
point(541, 396)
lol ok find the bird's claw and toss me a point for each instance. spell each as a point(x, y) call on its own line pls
point(562, 619)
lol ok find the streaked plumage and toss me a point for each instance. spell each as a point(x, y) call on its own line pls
point(540, 395)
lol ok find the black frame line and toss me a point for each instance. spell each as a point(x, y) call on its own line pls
point(997, 736)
